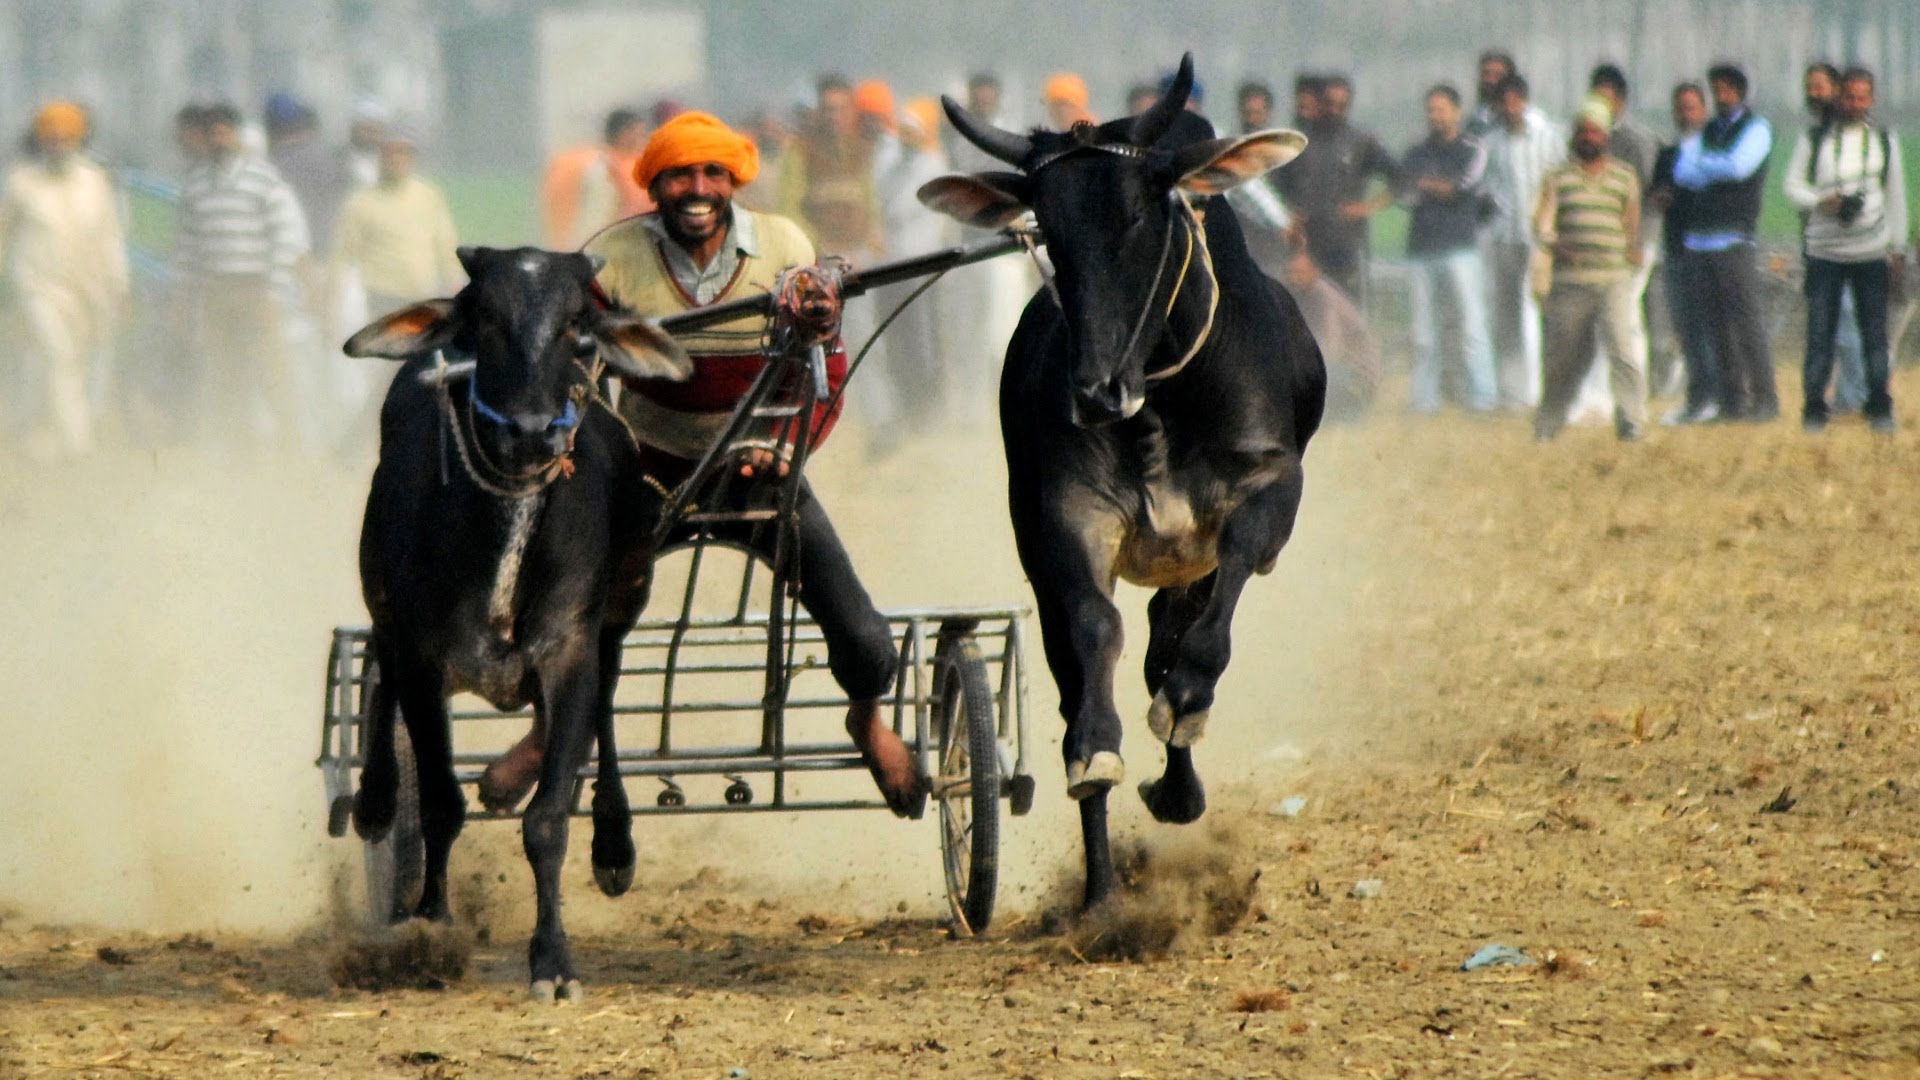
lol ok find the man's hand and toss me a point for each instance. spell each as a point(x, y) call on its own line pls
point(1355, 211)
point(1636, 256)
point(1897, 275)
point(766, 462)
point(1828, 205)
point(1436, 187)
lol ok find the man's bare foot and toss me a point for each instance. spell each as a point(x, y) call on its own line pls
point(513, 773)
point(892, 764)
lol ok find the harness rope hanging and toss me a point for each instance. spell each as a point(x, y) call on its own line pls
point(1196, 237)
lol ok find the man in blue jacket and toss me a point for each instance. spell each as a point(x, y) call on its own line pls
point(1725, 169)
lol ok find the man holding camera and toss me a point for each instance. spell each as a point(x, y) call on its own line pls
point(1848, 178)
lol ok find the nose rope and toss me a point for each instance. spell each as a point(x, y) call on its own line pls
point(485, 474)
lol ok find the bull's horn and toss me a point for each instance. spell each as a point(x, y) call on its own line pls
point(1150, 125)
point(1004, 145)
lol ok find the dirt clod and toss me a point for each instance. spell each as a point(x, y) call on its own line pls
point(415, 956)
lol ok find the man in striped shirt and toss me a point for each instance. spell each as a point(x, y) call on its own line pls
point(1589, 218)
point(239, 237)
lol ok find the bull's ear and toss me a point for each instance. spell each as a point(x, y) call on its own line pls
point(639, 349)
point(987, 201)
point(1209, 168)
point(411, 331)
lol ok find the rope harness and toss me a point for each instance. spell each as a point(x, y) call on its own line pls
point(487, 475)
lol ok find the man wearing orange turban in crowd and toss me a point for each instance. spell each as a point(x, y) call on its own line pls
point(66, 263)
point(1067, 100)
point(699, 248)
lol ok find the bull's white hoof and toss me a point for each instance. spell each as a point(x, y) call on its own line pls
point(1160, 718)
point(1182, 731)
point(1188, 729)
point(566, 991)
point(1089, 778)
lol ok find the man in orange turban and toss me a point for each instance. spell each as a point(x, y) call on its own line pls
point(61, 121)
point(698, 249)
point(873, 100)
point(694, 138)
point(63, 250)
point(1066, 99)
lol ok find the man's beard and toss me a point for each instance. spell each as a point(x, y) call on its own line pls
point(1588, 153)
point(1821, 110)
point(671, 215)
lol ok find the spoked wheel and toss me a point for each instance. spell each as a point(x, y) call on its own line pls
point(968, 786)
point(396, 866)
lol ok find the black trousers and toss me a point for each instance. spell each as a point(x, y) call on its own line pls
point(1728, 291)
point(1825, 282)
point(861, 651)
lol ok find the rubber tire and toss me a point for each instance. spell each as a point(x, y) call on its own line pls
point(964, 711)
point(397, 866)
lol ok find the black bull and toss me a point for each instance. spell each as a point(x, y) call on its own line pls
point(1155, 408)
point(482, 574)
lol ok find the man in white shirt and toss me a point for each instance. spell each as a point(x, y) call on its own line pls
point(1522, 147)
point(66, 265)
point(1848, 178)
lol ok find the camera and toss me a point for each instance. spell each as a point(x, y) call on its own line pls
point(1850, 208)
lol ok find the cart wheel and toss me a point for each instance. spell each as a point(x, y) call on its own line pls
point(396, 866)
point(968, 787)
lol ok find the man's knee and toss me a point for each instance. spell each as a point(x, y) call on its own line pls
point(863, 659)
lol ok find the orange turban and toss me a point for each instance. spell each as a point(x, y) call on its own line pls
point(924, 129)
point(1068, 89)
point(875, 97)
point(695, 138)
point(61, 120)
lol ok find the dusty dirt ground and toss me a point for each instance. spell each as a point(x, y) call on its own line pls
point(1642, 711)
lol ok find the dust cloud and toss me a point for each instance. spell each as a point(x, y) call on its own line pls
point(169, 614)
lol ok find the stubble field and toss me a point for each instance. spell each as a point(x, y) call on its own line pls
point(1641, 711)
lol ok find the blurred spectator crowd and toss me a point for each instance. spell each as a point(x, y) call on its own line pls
point(1572, 269)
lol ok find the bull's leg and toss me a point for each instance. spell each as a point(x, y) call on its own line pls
point(511, 775)
point(1082, 632)
point(568, 700)
point(443, 809)
point(373, 804)
point(1177, 797)
point(1250, 540)
point(613, 852)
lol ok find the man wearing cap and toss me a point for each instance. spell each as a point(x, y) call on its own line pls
point(1588, 217)
point(66, 266)
point(701, 248)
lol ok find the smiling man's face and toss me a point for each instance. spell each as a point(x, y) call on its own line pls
point(694, 201)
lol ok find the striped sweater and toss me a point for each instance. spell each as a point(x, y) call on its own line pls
point(1589, 220)
point(238, 217)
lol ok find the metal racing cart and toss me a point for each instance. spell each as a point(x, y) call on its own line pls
point(693, 738)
